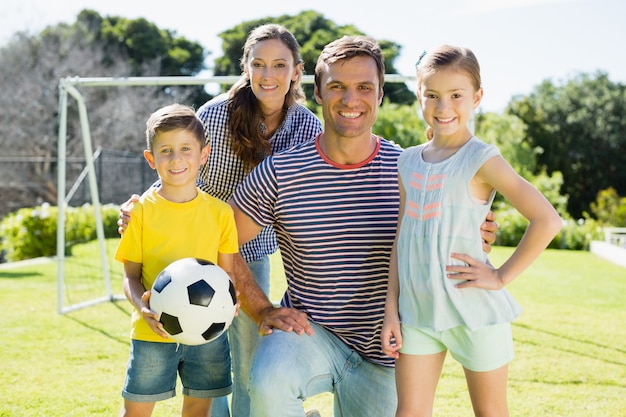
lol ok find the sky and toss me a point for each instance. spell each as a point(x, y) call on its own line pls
point(519, 43)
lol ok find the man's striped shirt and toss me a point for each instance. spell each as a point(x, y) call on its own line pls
point(335, 227)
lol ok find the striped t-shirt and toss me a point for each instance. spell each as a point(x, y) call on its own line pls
point(224, 170)
point(335, 226)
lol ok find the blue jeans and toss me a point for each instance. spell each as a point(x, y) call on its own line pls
point(287, 369)
point(243, 335)
point(204, 370)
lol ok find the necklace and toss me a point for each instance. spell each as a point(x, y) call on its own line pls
point(269, 126)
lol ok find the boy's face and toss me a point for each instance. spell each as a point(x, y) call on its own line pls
point(177, 155)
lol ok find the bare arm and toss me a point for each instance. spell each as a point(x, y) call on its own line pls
point(226, 261)
point(139, 297)
point(253, 301)
point(391, 323)
point(544, 224)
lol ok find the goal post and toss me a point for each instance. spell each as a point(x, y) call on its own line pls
point(100, 270)
point(66, 89)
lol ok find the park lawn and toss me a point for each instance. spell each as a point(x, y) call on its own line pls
point(570, 345)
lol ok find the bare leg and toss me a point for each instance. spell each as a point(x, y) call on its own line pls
point(135, 409)
point(196, 407)
point(416, 380)
point(488, 392)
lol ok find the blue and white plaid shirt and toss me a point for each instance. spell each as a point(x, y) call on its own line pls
point(224, 171)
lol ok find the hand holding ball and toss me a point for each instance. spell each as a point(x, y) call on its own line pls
point(195, 300)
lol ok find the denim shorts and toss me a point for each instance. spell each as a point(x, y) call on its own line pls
point(481, 350)
point(153, 367)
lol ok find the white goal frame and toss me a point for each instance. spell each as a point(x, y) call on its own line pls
point(69, 86)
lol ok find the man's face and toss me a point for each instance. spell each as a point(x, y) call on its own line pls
point(350, 94)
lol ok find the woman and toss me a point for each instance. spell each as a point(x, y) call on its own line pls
point(262, 113)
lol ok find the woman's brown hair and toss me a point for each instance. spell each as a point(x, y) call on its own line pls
point(248, 141)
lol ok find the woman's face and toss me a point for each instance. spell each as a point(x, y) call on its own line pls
point(271, 69)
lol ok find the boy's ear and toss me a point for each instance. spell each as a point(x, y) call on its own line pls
point(150, 158)
point(205, 154)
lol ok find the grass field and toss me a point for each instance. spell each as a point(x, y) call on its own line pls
point(570, 346)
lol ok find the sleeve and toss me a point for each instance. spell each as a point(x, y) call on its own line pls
point(480, 153)
point(305, 127)
point(256, 196)
point(229, 242)
point(405, 162)
point(310, 127)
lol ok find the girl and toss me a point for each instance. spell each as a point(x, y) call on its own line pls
point(446, 188)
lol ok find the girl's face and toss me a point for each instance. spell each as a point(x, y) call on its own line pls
point(448, 98)
point(271, 69)
point(177, 156)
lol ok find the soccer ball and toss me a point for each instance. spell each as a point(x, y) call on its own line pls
point(195, 300)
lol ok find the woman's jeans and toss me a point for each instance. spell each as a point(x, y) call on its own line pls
point(243, 336)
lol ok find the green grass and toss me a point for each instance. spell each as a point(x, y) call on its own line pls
point(570, 346)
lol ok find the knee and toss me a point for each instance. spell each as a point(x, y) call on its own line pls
point(271, 377)
point(265, 388)
point(268, 376)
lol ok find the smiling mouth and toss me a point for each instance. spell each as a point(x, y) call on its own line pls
point(268, 87)
point(447, 120)
point(350, 115)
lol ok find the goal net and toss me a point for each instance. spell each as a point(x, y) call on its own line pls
point(86, 272)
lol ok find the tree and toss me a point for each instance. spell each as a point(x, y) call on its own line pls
point(147, 49)
point(508, 133)
point(400, 123)
point(580, 128)
point(142, 42)
point(609, 208)
point(31, 67)
point(313, 32)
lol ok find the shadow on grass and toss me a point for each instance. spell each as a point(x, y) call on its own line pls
point(581, 348)
point(572, 339)
point(585, 349)
point(123, 340)
point(16, 275)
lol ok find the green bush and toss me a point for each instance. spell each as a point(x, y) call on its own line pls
point(511, 227)
point(609, 208)
point(579, 234)
point(32, 232)
point(575, 235)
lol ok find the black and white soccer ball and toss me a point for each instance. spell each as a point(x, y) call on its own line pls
point(195, 300)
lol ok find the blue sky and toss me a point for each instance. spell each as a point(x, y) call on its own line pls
point(519, 43)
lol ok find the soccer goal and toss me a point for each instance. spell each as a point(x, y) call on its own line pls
point(86, 273)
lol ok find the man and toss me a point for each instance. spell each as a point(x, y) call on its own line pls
point(333, 203)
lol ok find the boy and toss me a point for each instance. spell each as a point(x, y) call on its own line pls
point(174, 221)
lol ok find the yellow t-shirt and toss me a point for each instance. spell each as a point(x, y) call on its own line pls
point(161, 232)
